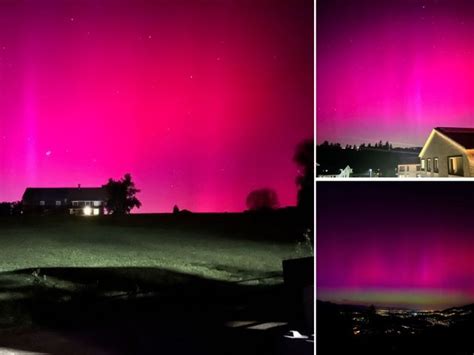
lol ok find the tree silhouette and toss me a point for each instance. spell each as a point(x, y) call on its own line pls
point(5, 209)
point(262, 199)
point(11, 208)
point(121, 197)
point(304, 158)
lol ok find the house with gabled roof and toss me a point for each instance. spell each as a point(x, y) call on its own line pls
point(448, 152)
point(85, 201)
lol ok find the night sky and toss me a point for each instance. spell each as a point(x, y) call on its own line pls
point(393, 69)
point(408, 244)
point(201, 101)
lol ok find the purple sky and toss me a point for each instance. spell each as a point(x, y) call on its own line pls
point(201, 101)
point(393, 69)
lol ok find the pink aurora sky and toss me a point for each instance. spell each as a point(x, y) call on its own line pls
point(201, 101)
point(393, 69)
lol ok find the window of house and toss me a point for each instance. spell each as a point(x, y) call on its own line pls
point(75, 203)
point(42, 203)
point(455, 166)
point(423, 164)
point(408, 167)
point(428, 164)
point(401, 169)
point(418, 167)
point(96, 203)
point(435, 165)
point(58, 203)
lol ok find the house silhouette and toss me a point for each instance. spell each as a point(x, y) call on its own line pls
point(84, 201)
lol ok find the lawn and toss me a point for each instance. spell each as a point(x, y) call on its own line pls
point(143, 280)
point(228, 247)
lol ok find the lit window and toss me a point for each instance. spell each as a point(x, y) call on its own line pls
point(42, 203)
point(96, 211)
point(87, 211)
point(96, 203)
point(423, 164)
point(58, 203)
point(435, 165)
point(455, 166)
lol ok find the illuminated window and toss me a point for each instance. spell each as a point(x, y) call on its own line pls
point(87, 211)
point(96, 211)
point(428, 164)
point(423, 164)
point(42, 203)
point(435, 165)
point(455, 166)
point(96, 203)
point(58, 203)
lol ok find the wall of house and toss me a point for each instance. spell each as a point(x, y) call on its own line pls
point(441, 148)
point(409, 171)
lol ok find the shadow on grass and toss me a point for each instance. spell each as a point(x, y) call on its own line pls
point(135, 310)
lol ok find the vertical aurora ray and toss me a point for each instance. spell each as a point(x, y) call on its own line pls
point(393, 70)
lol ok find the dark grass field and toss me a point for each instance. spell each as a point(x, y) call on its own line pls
point(147, 284)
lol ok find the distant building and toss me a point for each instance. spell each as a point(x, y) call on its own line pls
point(88, 201)
point(448, 152)
point(343, 173)
point(409, 167)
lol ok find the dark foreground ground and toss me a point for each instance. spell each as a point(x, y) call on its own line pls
point(364, 330)
point(209, 284)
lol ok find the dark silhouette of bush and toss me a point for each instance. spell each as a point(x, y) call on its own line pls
point(304, 158)
point(175, 209)
point(5, 208)
point(10, 208)
point(262, 200)
point(121, 197)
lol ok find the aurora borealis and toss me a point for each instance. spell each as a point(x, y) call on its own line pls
point(201, 101)
point(393, 69)
point(404, 244)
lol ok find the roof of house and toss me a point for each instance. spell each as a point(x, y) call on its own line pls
point(32, 194)
point(462, 136)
